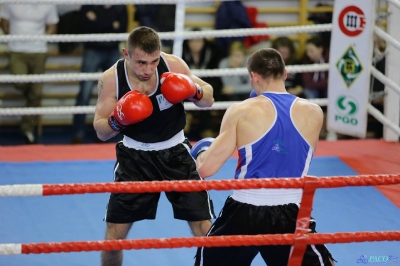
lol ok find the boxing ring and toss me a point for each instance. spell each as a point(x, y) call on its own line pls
point(53, 197)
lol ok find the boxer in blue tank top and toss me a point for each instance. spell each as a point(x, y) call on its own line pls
point(276, 134)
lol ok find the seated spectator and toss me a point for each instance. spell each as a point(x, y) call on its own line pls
point(203, 54)
point(286, 47)
point(323, 18)
point(230, 15)
point(237, 87)
point(315, 84)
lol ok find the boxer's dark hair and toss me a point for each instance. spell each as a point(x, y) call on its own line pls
point(268, 63)
point(145, 39)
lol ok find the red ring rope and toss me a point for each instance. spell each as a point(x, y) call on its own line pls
point(186, 186)
point(216, 241)
point(300, 239)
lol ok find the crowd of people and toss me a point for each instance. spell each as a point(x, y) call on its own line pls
point(202, 53)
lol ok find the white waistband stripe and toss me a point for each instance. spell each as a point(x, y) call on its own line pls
point(268, 197)
point(175, 140)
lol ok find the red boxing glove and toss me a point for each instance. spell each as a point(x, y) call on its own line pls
point(133, 107)
point(178, 87)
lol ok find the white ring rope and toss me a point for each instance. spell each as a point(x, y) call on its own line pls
point(385, 80)
point(395, 2)
point(90, 109)
point(381, 118)
point(277, 31)
point(198, 72)
point(386, 37)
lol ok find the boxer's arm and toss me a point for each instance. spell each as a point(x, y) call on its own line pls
point(105, 105)
point(222, 148)
point(177, 65)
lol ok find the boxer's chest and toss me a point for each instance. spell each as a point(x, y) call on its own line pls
point(145, 87)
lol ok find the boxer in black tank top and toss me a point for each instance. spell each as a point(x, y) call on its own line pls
point(154, 148)
point(164, 123)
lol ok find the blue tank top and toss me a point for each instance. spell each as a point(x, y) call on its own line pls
point(281, 151)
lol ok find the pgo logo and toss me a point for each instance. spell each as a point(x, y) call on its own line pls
point(346, 105)
point(351, 21)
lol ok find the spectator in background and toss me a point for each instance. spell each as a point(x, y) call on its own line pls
point(203, 54)
point(158, 17)
point(286, 48)
point(323, 18)
point(29, 57)
point(315, 84)
point(97, 55)
point(236, 87)
point(230, 15)
point(70, 23)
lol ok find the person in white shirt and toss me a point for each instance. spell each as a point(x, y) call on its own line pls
point(28, 57)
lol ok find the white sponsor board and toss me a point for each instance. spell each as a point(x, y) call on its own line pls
point(350, 61)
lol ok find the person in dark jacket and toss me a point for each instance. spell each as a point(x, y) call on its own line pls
point(97, 56)
point(315, 84)
point(201, 53)
point(231, 15)
point(287, 49)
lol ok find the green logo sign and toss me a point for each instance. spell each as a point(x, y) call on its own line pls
point(346, 107)
point(349, 66)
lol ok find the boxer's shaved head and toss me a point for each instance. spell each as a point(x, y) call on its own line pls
point(268, 63)
point(145, 39)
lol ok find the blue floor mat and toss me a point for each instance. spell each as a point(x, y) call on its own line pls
point(79, 217)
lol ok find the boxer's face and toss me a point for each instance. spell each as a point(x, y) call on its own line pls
point(141, 64)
